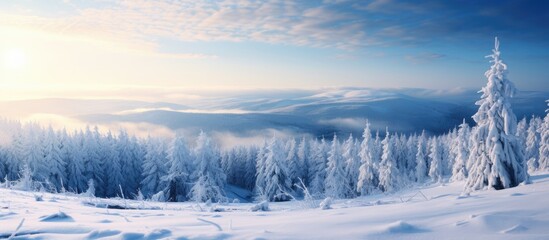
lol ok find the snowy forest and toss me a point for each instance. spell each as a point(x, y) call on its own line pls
point(498, 152)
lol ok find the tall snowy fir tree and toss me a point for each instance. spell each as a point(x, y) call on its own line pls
point(389, 176)
point(34, 152)
point(303, 158)
point(154, 167)
point(209, 179)
point(317, 167)
point(336, 183)
point(436, 158)
point(277, 179)
point(292, 161)
point(260, 170)
point(422, 166)
point(72, 152)
point(53, 158)
point(113, 172)
point(460, 148)
point(93, 165)
point(498, 160)
point(411, 153)
point(544, 143)
point(352, 163)
point(522, 132)
point(250, 173)
point(532, 143)
point(367, 178)
point(178, 178)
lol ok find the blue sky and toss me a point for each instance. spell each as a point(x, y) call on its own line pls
point(270, 44)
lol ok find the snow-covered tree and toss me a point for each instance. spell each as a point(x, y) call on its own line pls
point(35, 155)
point(113, 167)
point(336, 183)
point(292, 161)
point(73, 155)
point(533, 143)
point(250, 168)
point(544, 143)
point(460, 149)
point(53, 159)
point(317, 168)
point(522, 128)
point(422, 166)
point(498, 160)
point(352, 163)
point(93, 165)
point(435, 157)
point(367, 178)
point(389, 176)
point(260, 169)
point(178, 178)
point(154, 167)
point(209, 179)
point(303, 158)
point(277, 179)
point(411, 152)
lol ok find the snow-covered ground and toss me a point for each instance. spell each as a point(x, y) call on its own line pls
point(517, 213)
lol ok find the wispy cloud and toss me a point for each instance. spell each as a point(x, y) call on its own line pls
point(341, 24)
point(424, 57)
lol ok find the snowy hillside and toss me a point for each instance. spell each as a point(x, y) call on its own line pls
point(430, 212)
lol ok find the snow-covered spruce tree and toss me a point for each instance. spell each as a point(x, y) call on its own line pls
point(292, 161)
point(532, 143)
point(336, 183)
point(260, 170)
point(154, 167)
point(113, 166)
point(367, 177)
point(422, 166)
point(138, 152)
point(177, 180)
point(352, 163)
point(3, 164)
point(250, 173)
point(317, 168)
point(544, 143)
point(35, 155)
point(389, 176)
point(498, 160)
point(411, 148)
point(460, 149)
point(399, 153)
point(448, 157)
point(303, 158)
point(241, 160)
point(18, 149)
point(93, 165)
point(72, 152)
point(54, 161)
point(209, 179)
point(277, 179)
point(522, 128)
point(227, 164)
point(435, 157)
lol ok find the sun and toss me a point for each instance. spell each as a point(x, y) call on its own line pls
point(14, 58)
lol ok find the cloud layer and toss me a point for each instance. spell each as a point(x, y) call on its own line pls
point(342, 24)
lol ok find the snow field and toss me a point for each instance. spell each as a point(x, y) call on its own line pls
point(437, 212)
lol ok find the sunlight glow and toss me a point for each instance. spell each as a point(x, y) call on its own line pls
point(14, 58)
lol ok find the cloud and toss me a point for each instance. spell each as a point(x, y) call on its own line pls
point(424, 57)
point(340, 24)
